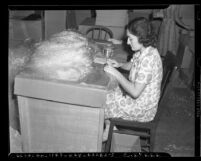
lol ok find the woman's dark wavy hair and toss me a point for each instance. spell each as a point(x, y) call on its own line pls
point(142, 28)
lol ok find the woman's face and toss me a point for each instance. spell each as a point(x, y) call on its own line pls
point(133, 42)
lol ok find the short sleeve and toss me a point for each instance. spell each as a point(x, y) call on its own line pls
point(144, 72)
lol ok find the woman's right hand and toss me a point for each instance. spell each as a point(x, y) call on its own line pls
point(113, 63)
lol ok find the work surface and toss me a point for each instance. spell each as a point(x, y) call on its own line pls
point(62, 116)
point(95, 85)
point(97, 78)
point(31, 84)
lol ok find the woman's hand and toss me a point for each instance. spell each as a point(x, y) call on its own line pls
point(113, 63)
point(111, 70)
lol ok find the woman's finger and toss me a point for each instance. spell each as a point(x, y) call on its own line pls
point(112, 63)
point(107, 69)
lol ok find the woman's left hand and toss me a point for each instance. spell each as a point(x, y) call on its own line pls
point(111, 70)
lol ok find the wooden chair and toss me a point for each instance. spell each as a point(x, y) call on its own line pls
point(99, 33)
point(146, 131)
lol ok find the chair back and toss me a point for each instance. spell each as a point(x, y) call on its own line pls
point(169, 63)
point(99, 33)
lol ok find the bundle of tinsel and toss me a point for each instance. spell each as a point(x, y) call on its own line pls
point(65, 56)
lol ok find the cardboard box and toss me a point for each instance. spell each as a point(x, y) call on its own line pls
point(125, 143)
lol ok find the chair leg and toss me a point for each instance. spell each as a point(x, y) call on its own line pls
point(108, 143)
point(152, 139)
point(146, 146)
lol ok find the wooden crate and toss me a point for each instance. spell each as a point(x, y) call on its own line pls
point(60, 117)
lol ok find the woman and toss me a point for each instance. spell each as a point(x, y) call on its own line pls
point(143, 86)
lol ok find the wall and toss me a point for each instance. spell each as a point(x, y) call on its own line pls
point(144, 13)
point(19, 29)
point(139, 13)
point(19, 13)
point(187, 16)
point(55, 21)
point(187, 64)
point(81, 15)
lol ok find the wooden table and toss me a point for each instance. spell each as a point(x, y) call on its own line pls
point(62, 116)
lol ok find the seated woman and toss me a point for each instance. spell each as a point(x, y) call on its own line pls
point(143, 86)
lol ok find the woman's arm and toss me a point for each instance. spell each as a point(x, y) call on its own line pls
point(114, 63)
point(134, 89)
point(126, 66)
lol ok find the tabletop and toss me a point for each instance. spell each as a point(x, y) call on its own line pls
point(95, 84)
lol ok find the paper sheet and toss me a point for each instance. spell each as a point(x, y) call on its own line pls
point(100, 60)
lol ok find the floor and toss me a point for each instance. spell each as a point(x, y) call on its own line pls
point(175, 131)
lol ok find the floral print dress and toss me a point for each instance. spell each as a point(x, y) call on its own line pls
point(146, 68)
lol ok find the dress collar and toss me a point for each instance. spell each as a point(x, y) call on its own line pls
point(139, 54)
